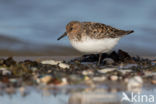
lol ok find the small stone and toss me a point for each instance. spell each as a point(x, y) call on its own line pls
point(108, 61)
point(114, 78)
point(89, 82)
point(126, 80)
point(105, 70)
point(46, 79)
point(125, 71)
point(56, 81)
point(63, 65)
point(74, 78)
point(53, 62)
point(4, 71)
point(49, 71)
point(86, 78)
point(63, 82)
point(34, 69)
point(87, 72)
point(13, 80)
point(38, 80)
point(99, 79)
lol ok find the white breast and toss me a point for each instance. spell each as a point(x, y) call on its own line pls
point(95, 45)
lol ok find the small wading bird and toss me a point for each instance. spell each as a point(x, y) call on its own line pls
point(93, 38)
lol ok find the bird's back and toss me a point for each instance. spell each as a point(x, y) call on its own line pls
point(99, 30)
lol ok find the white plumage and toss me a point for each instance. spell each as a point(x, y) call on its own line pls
point(89, 45)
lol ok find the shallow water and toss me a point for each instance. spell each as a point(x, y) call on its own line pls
point(81, 96)
point(30, 25)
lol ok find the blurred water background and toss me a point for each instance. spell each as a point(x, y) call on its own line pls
point(31, 27)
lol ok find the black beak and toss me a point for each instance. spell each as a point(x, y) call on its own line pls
point(65, 34)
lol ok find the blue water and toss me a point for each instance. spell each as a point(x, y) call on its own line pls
point(40, 22)
point(96, 96)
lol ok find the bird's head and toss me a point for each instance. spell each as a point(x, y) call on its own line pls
point(72, 28)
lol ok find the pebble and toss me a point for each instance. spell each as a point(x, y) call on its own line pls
point(46, 79)
point(126, 80)
point(62, 82)
point(5, 71)
point(75, 78)
point(59, 63)
point(114, 78)
point(34, 69)
point(13, 80)
point(125, 71)
point(86, 78)
point(149, 73)
point(99, 79)
point(108, 61)
point(105, 70)
point(87, 72)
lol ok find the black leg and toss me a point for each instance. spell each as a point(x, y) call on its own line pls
point(99, 61)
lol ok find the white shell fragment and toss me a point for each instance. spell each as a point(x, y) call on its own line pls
point(53, 62)
point(99, 79)
point(87, 72)
point(105, 70)
point(108, 61)
point(5, 71)
point(125, 71)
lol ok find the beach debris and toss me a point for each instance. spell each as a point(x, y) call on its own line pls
point(108, 61)
point(125, 71)
point(13, 80)
point(106, 70)
point(46, 79)
point(116, 67)
point(64, 81)
point(4, 71)
point(59, 63)
point(87, 72)
point(99, 79)
point(114, 78)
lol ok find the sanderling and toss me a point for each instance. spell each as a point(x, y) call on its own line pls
point(93, 38)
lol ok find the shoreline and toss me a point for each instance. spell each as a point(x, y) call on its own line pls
point(77, 76)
